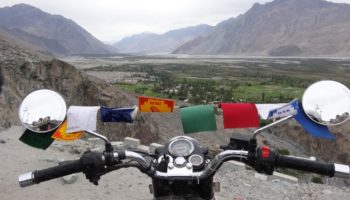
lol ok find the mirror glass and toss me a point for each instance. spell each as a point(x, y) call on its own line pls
point(42, 111)
point(327, 102)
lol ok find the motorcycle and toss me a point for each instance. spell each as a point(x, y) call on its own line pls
point(182, 168)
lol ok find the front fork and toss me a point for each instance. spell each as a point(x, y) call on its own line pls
point(165, 189)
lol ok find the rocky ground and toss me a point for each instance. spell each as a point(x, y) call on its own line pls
point(236, 183)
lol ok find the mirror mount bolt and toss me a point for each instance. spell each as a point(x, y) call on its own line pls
point(108, 147)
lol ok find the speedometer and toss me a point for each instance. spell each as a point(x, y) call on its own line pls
point(181, 147)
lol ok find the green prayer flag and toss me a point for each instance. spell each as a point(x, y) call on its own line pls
point(37, 140)
point(198, 118)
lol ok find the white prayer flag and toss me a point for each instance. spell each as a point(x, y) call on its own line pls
point(284, 111)
point(82, 118)
point(264, 109)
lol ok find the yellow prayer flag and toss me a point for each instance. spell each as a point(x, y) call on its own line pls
point(62, 135)
point(148, 104)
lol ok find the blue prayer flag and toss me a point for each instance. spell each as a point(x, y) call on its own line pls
point(314, 129)
point(118, 114)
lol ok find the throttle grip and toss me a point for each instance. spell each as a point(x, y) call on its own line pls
point(303, 164)
point(38, 176)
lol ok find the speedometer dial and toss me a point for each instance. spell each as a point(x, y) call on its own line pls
point(181, 147)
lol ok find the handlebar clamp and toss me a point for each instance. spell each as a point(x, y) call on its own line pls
point(93, 163)
point(265, 160)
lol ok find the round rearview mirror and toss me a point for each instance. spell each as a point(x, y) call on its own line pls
point(327, 102)
point(42, 111)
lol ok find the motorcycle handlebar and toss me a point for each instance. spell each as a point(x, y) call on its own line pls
point(38, 176)
point(76, 166)
point(132, 156)
point(303, 164)
point(91, 159)
point(299, 163)
point(319, 167)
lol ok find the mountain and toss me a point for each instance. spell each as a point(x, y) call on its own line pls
point(49, 33)
point(23, 71)
point(33, 42)
point(160, 43)
point(280, 28)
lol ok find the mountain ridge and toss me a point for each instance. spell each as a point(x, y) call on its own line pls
point(280, 28)
point(42, 29)
point(160, 43)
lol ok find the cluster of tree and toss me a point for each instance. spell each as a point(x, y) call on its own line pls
point(290, 81)
point(1, 80)
point(196, 91)
point(280, 98)
point(205, 91)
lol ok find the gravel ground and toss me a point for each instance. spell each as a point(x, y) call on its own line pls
point(236, 183)
point(242, 183)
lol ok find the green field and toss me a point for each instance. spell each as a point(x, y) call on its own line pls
point(140, 88)
point(228, 79)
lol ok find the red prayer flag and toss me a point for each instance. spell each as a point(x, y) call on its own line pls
point(240, 115)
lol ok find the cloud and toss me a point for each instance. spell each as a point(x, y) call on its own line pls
point(113, 19)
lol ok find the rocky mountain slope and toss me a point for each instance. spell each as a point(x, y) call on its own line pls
point(280, 28)
point(161, 43)
point(49, 33)
point(24, 71)
point(6, 35)
point(336, 151)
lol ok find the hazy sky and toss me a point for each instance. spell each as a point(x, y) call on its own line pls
point(110, 20)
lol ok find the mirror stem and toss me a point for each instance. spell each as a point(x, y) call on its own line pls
point(108, 145)
point(272, 124)
point(98, 136)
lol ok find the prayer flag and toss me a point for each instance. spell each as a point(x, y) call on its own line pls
point(284, 111)
point(198, 118)
point(240, 115)
point(118, 114)
point(264, 109)
point(62, 135)
point(314, 129)
point(37, 140)
point(148, 104)
point(81, 118)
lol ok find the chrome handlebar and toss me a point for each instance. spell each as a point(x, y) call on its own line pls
point(209, 170)
point(27, 179)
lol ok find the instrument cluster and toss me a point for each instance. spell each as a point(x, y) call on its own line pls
point(181, 147)
point(186, 150)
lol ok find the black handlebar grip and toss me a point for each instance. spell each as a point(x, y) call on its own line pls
point(303, 164)
point(63, 169)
